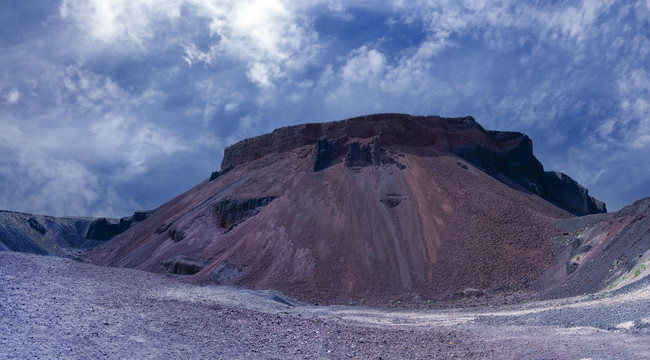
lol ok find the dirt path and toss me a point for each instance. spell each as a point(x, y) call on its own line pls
point(57, 308)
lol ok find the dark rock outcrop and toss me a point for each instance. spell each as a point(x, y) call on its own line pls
point(104, 229)
point(185, 265)
point(222, 274)
point(216, 174)
point(234, 211)
point(513, 158)
point(326, 151)
point(391, 200)
point(358, 155)
point(36, 225)
point(176, 235)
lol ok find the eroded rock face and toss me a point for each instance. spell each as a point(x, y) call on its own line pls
point(513, 157)
point(185, 265)
point(36, 225)
point(358, 154)
point(222, 274)
point(391, 200)
point(103, 229)
point(234, 211)
point(176, 235)
point(505, 155)
point(326, 151)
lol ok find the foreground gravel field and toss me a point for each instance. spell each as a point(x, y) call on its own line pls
point(52, 308)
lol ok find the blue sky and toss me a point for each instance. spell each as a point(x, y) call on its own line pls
point(108, 106)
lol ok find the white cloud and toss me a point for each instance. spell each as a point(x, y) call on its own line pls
point(120, 22)
point(567, 25)
point(194, 55)
point(263, 74)
point(271, 37)
point(574, 22)
point(12, 97)
point(137, 144)
point(338, 9)
point(364, 65)
point(34, 178)
point(92, 92)
point(371, 82)
point(634, 95)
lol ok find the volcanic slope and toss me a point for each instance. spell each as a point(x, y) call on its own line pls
point(374, 209)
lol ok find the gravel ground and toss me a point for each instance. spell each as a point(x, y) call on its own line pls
point(57, 308)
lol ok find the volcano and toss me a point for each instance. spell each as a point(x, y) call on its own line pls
point(376, 208)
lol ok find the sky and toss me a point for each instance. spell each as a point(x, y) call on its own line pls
point(108, 106)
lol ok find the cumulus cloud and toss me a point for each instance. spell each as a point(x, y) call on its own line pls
point(272, 37)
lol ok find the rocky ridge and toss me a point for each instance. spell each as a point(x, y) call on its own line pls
point(60, 236)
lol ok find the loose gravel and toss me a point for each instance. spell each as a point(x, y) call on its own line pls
point(55, 308)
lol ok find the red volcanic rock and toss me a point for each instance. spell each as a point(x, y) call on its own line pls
point(377, 208)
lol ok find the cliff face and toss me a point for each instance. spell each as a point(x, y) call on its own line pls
point(373, 208)
point(506, 156)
